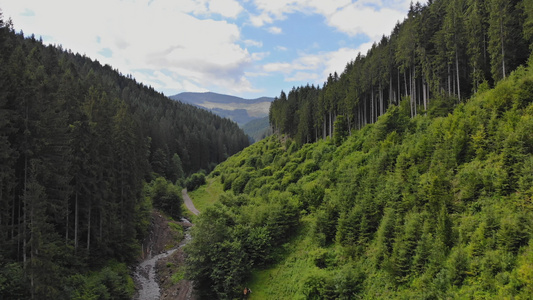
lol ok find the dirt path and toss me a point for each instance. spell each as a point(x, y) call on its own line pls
point(188, 202)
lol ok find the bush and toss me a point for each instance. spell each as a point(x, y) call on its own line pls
point(319, 286)
point(348, 282)
point(194, 181)
point(239, 183)
point(165, 196)
point(13, 284)
point(112, 282)
point(312, 195)
point(227, 181)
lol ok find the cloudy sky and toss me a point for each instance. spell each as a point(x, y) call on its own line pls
point(247, 48)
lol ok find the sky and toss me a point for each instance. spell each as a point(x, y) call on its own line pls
point(247, 48)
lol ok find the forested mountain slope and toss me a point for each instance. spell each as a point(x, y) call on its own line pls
point(258, 129)
point(77, 142)
point(429, 207)
point(389, 181)
point(443, 50)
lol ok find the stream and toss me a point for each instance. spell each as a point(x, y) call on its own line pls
point(145, 273)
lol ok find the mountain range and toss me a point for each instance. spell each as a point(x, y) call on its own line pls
point(240, 110)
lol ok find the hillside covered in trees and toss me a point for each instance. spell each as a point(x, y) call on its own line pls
point(404, 177)
point(78, 141)
point(441, 54)
point(424, 207)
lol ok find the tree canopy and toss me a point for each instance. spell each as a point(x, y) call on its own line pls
point(77, 142)
point(443, 50)
point(435, 206)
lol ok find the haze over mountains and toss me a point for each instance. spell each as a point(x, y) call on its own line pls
point(240, 110)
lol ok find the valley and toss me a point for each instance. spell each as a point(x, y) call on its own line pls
point(405, 174)
point(250, 114)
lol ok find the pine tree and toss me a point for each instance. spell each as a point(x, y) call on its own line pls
point(385, 236)
point(527, 8)
point(477, 36)
point(453, 27)
point(499, 37)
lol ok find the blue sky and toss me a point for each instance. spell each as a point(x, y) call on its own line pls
point(247, 48)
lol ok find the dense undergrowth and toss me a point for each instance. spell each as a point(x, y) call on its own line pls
point(436, 206)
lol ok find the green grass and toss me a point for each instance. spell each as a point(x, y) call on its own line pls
point(177, 233)
point(284, 280)
point(179, 275)
point(207, 194)
point(186, 213)
point(177, 228)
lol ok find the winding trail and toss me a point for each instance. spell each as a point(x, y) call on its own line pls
point(188, 202)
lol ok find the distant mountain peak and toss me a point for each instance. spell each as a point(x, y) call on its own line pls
point(193, 97)
point(238, 109)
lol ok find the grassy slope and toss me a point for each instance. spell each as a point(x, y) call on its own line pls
point(207, 194)
point(284, 279)
point(460, 185)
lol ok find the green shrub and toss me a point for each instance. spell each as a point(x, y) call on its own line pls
point(111, 282)
point(240, 182)
point(165, 196)
point(319, 286)
point(177, 277)
point(194, 181)
point(13, 283)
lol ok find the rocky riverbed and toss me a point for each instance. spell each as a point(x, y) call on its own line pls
point(160, 275)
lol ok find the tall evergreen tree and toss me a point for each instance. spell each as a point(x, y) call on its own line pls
point(499, 20)
point(477, 35)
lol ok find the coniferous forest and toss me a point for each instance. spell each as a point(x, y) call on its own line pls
point(443, 52)
point(79, 145)
point(430, 207)
point(408, 176)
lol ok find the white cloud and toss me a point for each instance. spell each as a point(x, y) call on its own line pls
point(196, 45)
point(226, 8)
point(361, 19)
point(256, 74)
point(303, 76)
point(260, 20)
point(306, 67)
point(369, 17)
point(315, 68)
point(279, 67)
point(192, 87)
point(327, 8)
point(336, 61)
point(164, 79)
point(309, 62)
point(146, 35)
point(260, 55)
point(252, 43)
point(275, 30)
point(278, 9)
point(235, 85)
point(372, 18)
